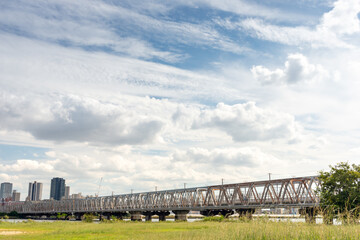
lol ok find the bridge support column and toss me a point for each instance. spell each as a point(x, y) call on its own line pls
point(180, 215)
point(78, 216)
point(226, 213)
point(148, 216)
point(309, 213)
point(135, 216)
point(245, 213)
point(162, 215)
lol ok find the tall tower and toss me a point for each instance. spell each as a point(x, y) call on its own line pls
point(57, 190)
point(35, 191)
point(6, 190)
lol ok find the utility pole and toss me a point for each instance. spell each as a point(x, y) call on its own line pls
point(222, 181)
point(184, 185)
point(132, 191)
point(155, 188)
point(269, 176)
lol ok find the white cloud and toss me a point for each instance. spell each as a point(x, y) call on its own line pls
point(95, 26)
point(219, 157)
point(295, 36)
point(297, 69)
point(87, 28)
point(247, 122)
point(136, 120)
point(239, 7)
point(72, 118)
point(341, 20)
point(29, 166)
point(141, 172)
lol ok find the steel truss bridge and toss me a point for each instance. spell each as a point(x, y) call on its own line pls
point(243, 198)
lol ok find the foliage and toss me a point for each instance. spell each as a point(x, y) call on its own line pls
point(340, 191)
point(61, 216)
point(14, 214)
point(88, 217)
point(214, 219)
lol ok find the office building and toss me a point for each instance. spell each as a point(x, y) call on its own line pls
point(35, 191)
point(6, 190)
point(57, 189)
point(67, 192)
point(15, 196)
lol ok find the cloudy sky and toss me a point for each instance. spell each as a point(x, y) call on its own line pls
point(162, 93)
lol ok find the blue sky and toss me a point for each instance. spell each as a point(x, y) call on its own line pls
point(159, 93)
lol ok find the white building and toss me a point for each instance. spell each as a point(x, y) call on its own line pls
point(35, 191)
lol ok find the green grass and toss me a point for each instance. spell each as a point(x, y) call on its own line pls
point(257, 229)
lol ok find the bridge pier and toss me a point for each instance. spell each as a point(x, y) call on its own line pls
point(148, 215)
point(180, 215)
point(78, 216)
point(135, 216)
point(246, 213)
point(309, 213)
point(162, 215)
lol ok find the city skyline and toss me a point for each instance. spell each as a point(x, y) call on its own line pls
point(35, 191)
point(121, 95)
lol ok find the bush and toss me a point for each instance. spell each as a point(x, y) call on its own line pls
point(214, 219)
point(61, 216)
point(88, 217)
point(14, 214)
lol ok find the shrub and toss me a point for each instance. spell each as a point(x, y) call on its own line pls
point(88, 217)
point(214, 219)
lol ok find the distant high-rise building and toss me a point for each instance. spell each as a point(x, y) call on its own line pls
point(6, 190)
point(35, 191)
point(57, 190)
point(67, 192)
point(15, 196)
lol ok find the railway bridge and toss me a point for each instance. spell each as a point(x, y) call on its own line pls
point(225, 199)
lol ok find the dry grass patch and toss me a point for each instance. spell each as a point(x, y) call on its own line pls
point(7, 232)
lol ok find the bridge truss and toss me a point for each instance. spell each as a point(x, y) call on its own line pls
point(290, 192)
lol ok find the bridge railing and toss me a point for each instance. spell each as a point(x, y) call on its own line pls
point(281, 192)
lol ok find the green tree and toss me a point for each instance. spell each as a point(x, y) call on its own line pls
point(340, 192)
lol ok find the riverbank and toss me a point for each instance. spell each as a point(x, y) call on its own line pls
point(256, 229)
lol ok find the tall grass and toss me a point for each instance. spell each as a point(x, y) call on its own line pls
point(229, 229)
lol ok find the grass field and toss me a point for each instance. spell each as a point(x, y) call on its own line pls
point(257, 229)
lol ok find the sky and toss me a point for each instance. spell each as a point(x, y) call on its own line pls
point(155, 94)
